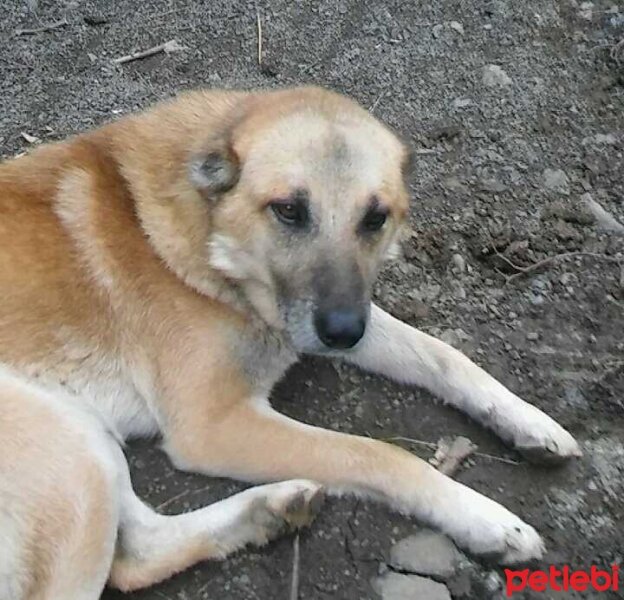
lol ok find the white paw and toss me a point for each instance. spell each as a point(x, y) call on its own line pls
point(288, 504)
point(484, 527)
point(540, 438)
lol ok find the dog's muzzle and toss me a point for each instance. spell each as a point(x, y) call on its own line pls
point(340, 328)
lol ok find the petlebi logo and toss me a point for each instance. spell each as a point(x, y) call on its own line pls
point(563, 579)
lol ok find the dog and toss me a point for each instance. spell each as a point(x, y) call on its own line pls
point(158, 276)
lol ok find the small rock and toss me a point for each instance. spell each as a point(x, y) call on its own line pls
point(564, 231)
point(459, 262)
point(394, 586)
point(604, 220)
point(494, 76)
point(453, 184)
point(31, 139)
point(518, 248)
point(457, 26)
point(493, 582)
point(462, 102)
point(586, 11)
point(427, 553)
point(600, 139)
point(492, 185)
point(556, 180)
point(95, 19)
point(431, 292)
point(437, 30)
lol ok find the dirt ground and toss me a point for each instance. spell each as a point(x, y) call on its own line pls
point(501, 178)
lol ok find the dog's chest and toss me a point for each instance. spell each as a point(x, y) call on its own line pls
point(265, 357)
point(122, 398)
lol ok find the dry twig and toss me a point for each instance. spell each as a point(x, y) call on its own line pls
point(43, 28)
point(179, 496)
point(434, 446)
point(564, 255)
point(259, 25)
point(374, 105)
point(545, 261)
point(294, 583)
point(167, 48)
point(616, 50)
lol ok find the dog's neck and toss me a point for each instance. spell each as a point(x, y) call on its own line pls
point(153, 159)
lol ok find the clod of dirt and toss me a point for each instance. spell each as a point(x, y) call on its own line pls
point(427, 553)
point(492, 185)
point(445, 132)
point(565, 232)
point(394, 586)
point(572, 212)
point(411, 310)
point(556, 180)
point(495, 76)
point(429, 248)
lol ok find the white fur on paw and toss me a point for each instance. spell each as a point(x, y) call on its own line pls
point(541, 438)
point(297, 501)
point(484, 527)
point(285, 505)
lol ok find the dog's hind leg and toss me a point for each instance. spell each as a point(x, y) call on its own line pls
point(58, 500)
point(405, 354)
point(152, 547)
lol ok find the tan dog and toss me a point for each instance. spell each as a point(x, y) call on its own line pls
point(158, 276)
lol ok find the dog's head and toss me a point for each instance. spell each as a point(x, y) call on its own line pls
point(307, 198)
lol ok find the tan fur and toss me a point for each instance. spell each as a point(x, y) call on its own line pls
point(153, 304)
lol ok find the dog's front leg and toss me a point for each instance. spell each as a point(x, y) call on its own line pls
point(253, 442)
point(401, 352)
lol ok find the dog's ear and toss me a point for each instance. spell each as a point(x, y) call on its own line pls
point(214, 172)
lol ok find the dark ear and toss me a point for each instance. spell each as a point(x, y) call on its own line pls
point(215, 172)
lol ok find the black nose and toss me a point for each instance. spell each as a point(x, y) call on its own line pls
point(340, 328)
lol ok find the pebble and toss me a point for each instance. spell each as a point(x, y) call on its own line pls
point(604, 220)
point(556, 180)
point(395, 586)
point(586, 11)
point(459, 262)
point(457, 26)
point(461, 102)
point(427, 553)
point(492, 185)
point(494, 76)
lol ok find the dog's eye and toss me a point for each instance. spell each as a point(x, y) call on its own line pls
point(374, 220)
point(294, 214)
